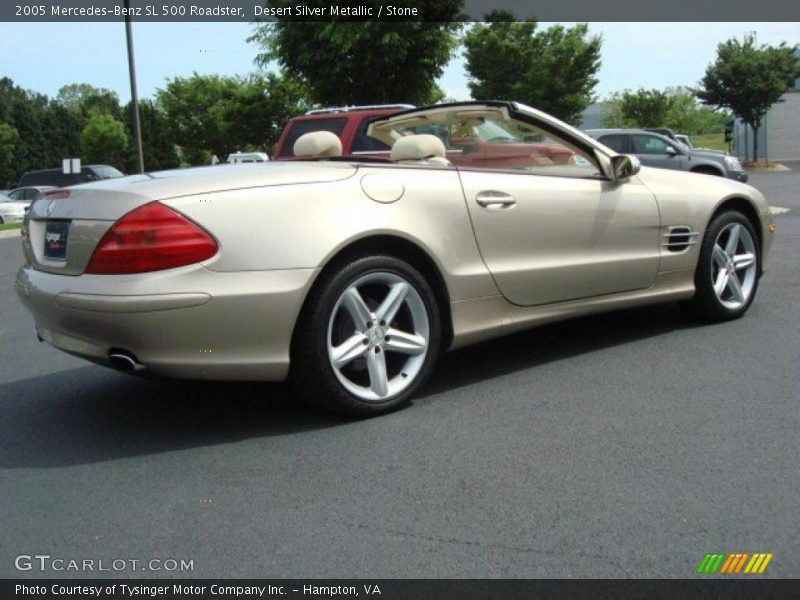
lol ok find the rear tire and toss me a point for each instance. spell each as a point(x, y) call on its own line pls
point(728, 270)
point(367, 338)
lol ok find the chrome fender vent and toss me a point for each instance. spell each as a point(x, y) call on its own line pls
point(679, 238)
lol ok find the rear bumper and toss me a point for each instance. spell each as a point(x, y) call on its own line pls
point(187, 323)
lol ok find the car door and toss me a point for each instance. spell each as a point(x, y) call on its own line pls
point(656, 151)
point(550, 227)
point(550, 239)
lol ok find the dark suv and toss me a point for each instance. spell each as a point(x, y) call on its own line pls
point(57, 177)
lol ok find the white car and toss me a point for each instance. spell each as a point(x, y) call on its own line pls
point(12, 211)
point(247, 157)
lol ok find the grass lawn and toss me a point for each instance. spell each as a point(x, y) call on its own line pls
point(6, 226)
point(716, 141)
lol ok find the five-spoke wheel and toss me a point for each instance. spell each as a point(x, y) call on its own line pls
point(733, 269)
point(728, 270)
point(367, 338)
point(378, 336)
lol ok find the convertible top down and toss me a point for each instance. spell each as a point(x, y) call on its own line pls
point(351, 275)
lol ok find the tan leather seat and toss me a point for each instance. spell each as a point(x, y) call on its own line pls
point(318, 143)
point(419, 149)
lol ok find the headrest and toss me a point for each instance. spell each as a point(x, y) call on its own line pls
point(318, 143)
point(418, 147)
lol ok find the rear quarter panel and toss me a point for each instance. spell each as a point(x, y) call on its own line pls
point(305, 225)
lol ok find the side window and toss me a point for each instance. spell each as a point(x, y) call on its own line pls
point(649, 144)
point(617, 142)
point(298, 128)
point(363, 143)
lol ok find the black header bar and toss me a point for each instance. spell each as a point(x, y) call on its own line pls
point(398, 10)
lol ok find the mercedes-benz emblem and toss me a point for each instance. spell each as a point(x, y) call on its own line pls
point(49, 208)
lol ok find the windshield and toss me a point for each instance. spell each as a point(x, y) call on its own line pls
point(486, 137)
point(492, 132)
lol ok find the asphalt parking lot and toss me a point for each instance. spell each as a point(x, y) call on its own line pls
point(624, 445)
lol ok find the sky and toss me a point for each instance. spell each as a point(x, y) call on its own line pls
point(44, 56)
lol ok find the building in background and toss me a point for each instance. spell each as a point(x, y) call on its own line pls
point(779, 136)
point(592, 116)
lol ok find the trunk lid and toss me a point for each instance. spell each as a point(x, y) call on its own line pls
point(89, 211)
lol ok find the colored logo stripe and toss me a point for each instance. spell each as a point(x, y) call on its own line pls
point(758, 563)
point(734, 563)
point(710, 563)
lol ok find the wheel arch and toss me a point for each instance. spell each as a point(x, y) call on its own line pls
point(404, 249)
point(708, 169)
point(748, 209)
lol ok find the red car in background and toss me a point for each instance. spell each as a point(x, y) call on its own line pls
point(349, 123)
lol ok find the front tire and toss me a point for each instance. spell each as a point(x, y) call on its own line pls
point(367, 338)
point(729, 267)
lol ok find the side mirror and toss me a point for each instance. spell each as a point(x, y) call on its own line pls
point(624, 166)
point(671, 151)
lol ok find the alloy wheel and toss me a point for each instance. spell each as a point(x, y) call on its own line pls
point(378, 336)
point(733, 266)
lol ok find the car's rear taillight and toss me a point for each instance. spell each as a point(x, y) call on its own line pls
point(152, 237)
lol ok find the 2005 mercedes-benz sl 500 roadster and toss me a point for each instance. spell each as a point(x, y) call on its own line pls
point(351, 274)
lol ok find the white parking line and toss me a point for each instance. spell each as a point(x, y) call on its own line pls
point(778, 210)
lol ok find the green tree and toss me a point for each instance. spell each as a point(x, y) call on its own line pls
point(63, 128)
point(219, 115)
point(553, 70)
point(26, 111)
point(687, 116)
point(748, 79)
point(612, 113)
point(9, 138)
point(47, 130)
point(646, 108)
point(263, 103)
point(158, 144)
point(103, 140)
point(84, 98)
point(343, 62)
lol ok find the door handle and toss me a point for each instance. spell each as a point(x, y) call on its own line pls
point(495, 200)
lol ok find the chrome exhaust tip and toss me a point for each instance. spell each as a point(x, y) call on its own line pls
point(124, 361)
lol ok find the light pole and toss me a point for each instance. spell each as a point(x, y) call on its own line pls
point(137, 129)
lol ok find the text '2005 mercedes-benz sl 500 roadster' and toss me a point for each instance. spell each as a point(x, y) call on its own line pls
point(350, 275)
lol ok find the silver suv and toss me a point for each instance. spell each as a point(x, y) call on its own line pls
point(655, 150)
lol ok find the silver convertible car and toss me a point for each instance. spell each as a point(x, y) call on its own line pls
point(350, 275)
